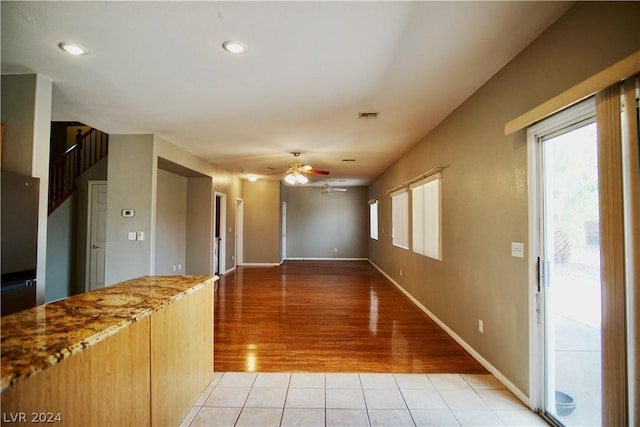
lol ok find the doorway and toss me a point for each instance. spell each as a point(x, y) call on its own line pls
point(220, 225)
point(96, 235)
point(239, 231)
point(283, 232)
point(568, 288)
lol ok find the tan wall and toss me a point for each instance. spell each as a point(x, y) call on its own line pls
point(323, 226)
point(199, 226)
point(484, 189)
point(261, 222)
point(133, 184)
point(171, 224)
point(223, 182)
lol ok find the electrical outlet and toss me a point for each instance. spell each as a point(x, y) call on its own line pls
point(140, 236)
point(400, 272)
point(174, 268)
point(480, 326)
point(335, 250)
point(179, 267)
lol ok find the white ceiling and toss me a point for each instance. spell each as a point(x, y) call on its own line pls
point(158, 67)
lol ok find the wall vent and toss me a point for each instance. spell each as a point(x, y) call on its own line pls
point(367, 115)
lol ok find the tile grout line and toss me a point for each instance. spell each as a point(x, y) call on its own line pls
point(364, 399)
point(404, 399)
point(372, 382)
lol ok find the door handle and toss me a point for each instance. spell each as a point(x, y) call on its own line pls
point(95, 247)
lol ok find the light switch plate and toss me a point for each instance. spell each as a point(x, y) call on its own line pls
point(132, 235)
point(517, 249)
point(140, 236)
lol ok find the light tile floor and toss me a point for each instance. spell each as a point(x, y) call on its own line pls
point(332, 399)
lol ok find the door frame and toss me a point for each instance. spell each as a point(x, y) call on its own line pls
point(283, 233)
point(87, 264)
point(239, 248)
point(222, 252)
point(563, 119)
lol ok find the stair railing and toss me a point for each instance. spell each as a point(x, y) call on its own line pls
point(90, 147)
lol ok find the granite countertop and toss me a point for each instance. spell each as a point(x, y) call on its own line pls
point(33, 340)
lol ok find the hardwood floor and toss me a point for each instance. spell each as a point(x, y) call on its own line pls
point(326, 316)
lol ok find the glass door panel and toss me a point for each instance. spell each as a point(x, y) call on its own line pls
point(571, 290)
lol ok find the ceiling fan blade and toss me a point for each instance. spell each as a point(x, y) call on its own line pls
point(316, 172)
point(338, 189)
point(276, 172)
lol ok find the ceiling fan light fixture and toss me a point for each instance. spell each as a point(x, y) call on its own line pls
point(235, 46)
point(73, 48)
point(290, 179)
point(252, 178)
point(295, 178)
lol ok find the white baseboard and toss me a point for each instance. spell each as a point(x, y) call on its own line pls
point(230, 270)
point(325, 259)
point(496, 373)
point(260, 264)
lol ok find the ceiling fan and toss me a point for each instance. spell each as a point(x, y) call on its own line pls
point(327, 189)
point(297, 171)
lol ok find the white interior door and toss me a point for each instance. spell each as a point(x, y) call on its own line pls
point(97, 234)
point(283, 248)
point(239, 231)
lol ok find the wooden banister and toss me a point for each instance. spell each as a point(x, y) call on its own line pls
point(90, 147)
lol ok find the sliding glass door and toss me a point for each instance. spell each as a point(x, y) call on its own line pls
point(569, 272)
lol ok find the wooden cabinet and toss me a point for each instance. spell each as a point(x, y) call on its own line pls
point(149, 373)
point(106, 384)
point(181, 356)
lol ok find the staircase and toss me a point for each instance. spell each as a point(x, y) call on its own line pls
point(89, 149)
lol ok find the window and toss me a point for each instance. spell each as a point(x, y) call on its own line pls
point(373, 219)
point(425, 213)
point(400, 218)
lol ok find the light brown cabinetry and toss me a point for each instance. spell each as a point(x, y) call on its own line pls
point(149, 373)
point(181, 356)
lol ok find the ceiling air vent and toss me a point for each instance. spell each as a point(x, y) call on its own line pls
point(367, 115)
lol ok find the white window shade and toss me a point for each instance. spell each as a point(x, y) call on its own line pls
point(373, 219)
point(400, 218)
point(425, 213)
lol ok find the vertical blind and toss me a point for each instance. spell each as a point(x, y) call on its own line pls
point(373, 219)
point(631, 197)
point(619, 221)
point(400, 218)
point(425, 214)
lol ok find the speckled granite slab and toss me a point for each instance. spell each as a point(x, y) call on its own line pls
point(36, 339)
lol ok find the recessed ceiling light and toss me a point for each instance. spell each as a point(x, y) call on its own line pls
point(73, 48)
point(235, 46)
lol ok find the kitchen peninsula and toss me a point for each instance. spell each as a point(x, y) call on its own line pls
point(138, 353)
